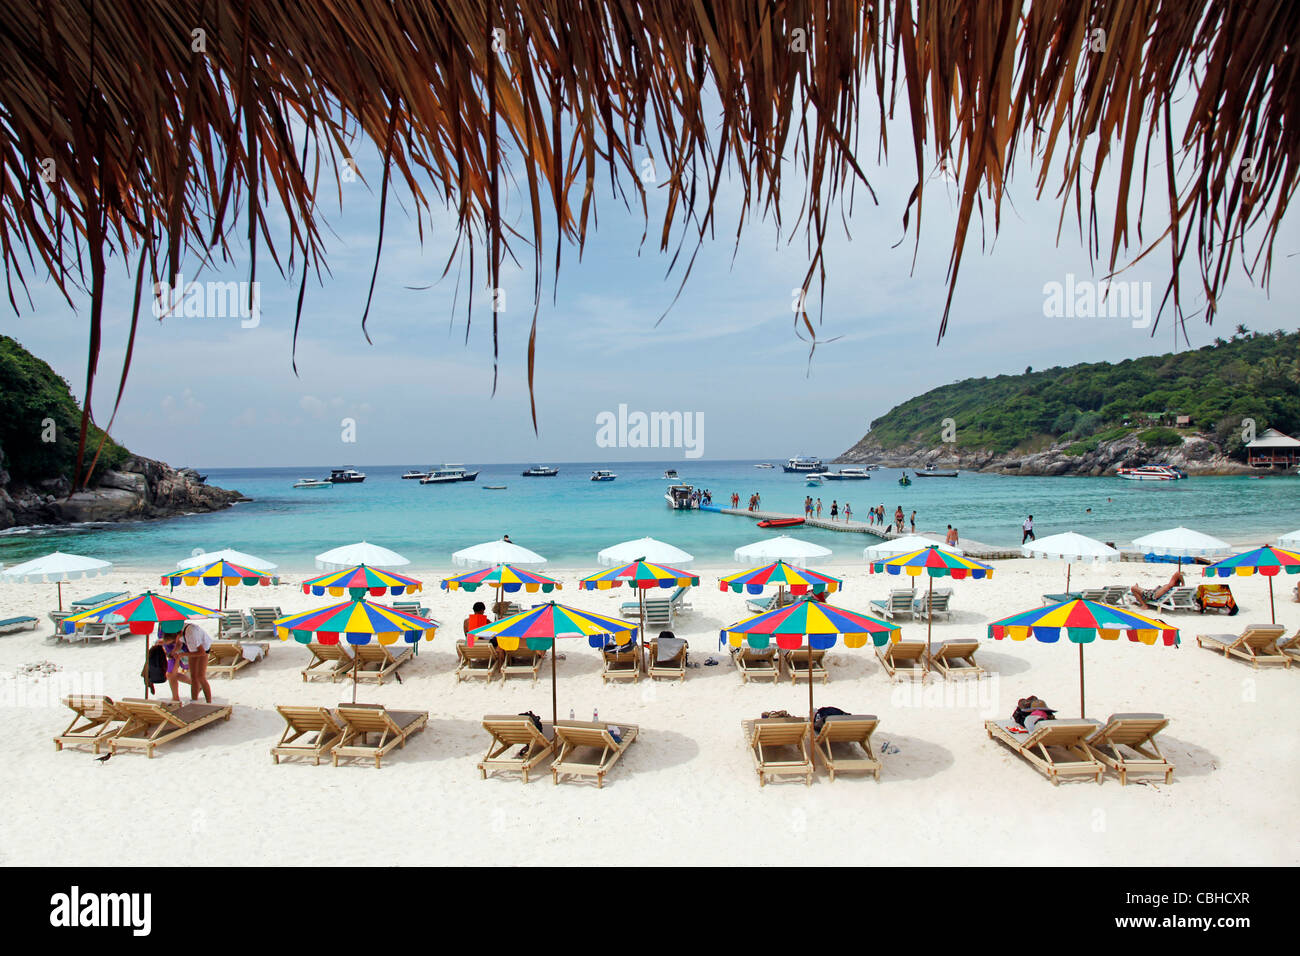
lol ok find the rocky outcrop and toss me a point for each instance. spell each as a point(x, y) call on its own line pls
point(1197, 455)
point(139, 488)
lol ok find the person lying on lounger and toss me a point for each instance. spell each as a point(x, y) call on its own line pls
point(1030, 710)
point(1147, 597)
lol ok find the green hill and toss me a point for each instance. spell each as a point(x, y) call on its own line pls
point(1253, 376)
point(36, 405)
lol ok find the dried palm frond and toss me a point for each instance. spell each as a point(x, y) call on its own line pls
point(160, 128)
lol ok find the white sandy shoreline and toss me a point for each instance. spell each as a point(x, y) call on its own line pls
point(686, 791)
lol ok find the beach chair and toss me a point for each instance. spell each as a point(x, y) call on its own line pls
point(898, 604)
point(1257, 644)
point(506, 609)
point(1179, 599)
point(1055, 748)
point(234, 626)
point(152, 723)
point(679, 600)
point(57, 618)
point(511, 731)
point(370, 731)
point(96, 600)
point(756, 665)
point(932, 604)
point(308, 732)
point(522, 662)
point(779, 747)
point(667, 660)
point(760, 605)
point(1215, 597)
point(12, 625)
point(956, 658)
point(479, 661)
point(1290, 647)
point(102, 631)
point(843, 744)
point(903, 657)
point(796, 664)
point(227, 658)
point(375, 662)
point(329, 661)
point(1061, 597)
point(1116, 595)
point(590, 749)
point(621, 663)
point(411, 607)
point(1127, 745)
point(263, 622)
point(95, 719)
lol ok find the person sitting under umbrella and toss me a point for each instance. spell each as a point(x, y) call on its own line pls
point(1146, 597)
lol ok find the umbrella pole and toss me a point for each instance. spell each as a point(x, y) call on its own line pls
point(929, 625)
point(61, 594)
point(810, 693)
point(1272, 614)
point(555, 708)
point(642, 595)
point(1082, 710)
point(356, 665)
point(1067, 577)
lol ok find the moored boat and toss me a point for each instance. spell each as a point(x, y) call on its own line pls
point(804, 463)
point(780, 522)
point(847, 474)
point(414, 475)
point(312, 483)
point(679, 497)
point(540, 471)
point(445, 474)
point(1151, 473)
point(346, 476)
point(603, 475)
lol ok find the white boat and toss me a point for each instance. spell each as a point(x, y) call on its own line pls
point(416, 475)
point(603, 475)
point(540, 471)
point(671, 474)
point(765, 465)
point(847, 474)
point(814, 481)
point(1151, 473)
point(446, 474)
point(346, 476)
point(804, 463)
point(679, 497)
point(493, 487)
point(313, 483)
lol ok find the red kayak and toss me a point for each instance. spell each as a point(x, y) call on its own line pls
point(780, 522)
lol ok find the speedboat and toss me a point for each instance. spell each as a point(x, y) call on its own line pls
point(313, 483)
point(804, 463)
point(929, 472)
point(847, 474)
point(414, 475)
point(541, 471)
point(346, 476)
point(814, 481)
point(679, 497)
point(765, 465)
point(671, 474)
point(445, 474)
point(1151, 473)
point(603, 475)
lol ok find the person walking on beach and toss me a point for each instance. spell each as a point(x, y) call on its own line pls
point(819, 507)
point(195, 643)
point(898, 519)
point(807, 506)
point(835, 510)
point(913, 522)
point(1028, 529)
point(848, 513)
point(951, 537)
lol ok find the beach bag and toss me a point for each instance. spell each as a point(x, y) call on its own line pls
point(820, 715)
point(537, 721)
point(155, 671)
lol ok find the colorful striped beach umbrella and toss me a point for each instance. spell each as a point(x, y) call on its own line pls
point(219, 574)
point(141, 614)
point(1082, 622)
point(1268, 561)
point(642, 575)
point(539, 627)
point(800, 581)
point(503, 577)
point(356, 622)
point(821, 625)
point(360, 581)
point(934, 562)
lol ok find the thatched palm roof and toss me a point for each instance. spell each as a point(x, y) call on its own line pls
point(128, 131)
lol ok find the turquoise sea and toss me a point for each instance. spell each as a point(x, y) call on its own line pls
point(569, 518)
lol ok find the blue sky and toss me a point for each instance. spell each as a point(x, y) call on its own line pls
point(210, 393)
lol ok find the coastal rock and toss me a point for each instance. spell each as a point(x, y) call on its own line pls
point(126, 481)
point(102, 504)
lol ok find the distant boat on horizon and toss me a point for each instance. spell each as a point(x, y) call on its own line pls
point(346, 476)
point(603, 475)
point(540, 471)
point(446, 474)
point(313, 483)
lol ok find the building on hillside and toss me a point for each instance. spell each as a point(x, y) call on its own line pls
point(1272, 449)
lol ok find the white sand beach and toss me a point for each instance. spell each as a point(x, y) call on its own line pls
point(686, 791)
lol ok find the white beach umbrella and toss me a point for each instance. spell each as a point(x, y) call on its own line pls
point(651, 549)
point(1070, 546)
point(363, 552)
point(58, 566)
point(794, 551)
point(1181, 543)
point(227, 554)
point(904, 545)
point(491, 553)
point(1291, 540)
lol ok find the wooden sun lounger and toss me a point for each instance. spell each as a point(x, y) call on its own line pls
point(95, 719)
point(674, 668)
point(1257, 645)
point(11, 625)
point(1056, 748)
point(576, 735)
point(360, 721)
point(786, 735)
point(522, 662)
point(479, 661)
point(757, 665)
point(621, 663)
point(796, 664)
point(1291, 646)
point(511, 731)
point(152, 723)
point(955, 659)
point(226, 658)
point(903, 657)
point(327, 660)
point(377, 661)
point(309, 732)
point(843, 744)
point(1123, 733)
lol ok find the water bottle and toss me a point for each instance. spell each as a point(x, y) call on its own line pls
point(595, 715)
point(571, 713)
